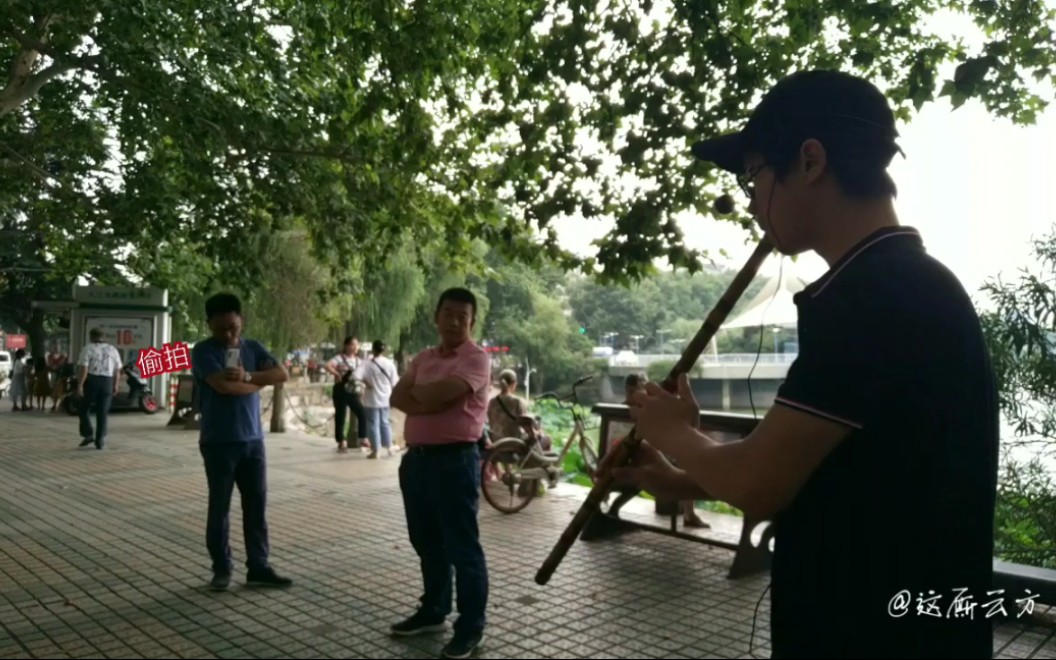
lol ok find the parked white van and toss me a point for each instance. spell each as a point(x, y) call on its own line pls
point(6, 364)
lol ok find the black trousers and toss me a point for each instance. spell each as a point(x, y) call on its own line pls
point(98, 395)
point(441, 498)
point(343, 401)
point(228, 465)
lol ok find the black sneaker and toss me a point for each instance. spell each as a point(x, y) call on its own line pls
point(418, 625)
point(266, 578)
point(85, 442)
point(220, 582)
point(462, 645)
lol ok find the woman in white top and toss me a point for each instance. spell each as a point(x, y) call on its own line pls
point(378, 373)
point(19, 391)
point(344, 400)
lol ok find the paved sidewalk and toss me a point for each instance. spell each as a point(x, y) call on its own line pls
point(102, 554)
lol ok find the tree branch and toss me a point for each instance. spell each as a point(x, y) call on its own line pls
point(23, 86)
point(21, 65)
point(31, 43)
point(38, 80)
point(36, 169)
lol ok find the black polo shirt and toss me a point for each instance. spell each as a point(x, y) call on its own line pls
point(891, 346)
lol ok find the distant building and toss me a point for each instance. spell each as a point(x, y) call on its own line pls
point(602, 352)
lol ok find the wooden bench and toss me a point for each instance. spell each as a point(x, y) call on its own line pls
point(1017, 580)
point(749, 558)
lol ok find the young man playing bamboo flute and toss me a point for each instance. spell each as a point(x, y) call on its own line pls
point(878, 461)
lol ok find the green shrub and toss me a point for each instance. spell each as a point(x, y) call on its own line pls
point(1025, 517)
point(558, 423)
point(1023, 352)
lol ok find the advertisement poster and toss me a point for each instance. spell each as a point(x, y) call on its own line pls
point(128, 335)
point(15, 342)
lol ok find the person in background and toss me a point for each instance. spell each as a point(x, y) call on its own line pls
point(18, 390)
point(58, 392)
point(379, 376)
point(41, 382)
point(231, 440)
point(506, 409)
point(57, 364)
point(445, 396)
point(346, 362)
point(99, 368)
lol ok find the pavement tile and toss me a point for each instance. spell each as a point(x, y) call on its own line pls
point(102, 554)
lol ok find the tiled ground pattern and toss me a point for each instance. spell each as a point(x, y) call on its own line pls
point(102, 554)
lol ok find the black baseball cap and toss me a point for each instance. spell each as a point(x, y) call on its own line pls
point(848, 114)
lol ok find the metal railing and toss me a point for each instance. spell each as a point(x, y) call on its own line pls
point(707, 359)
point(741, 358)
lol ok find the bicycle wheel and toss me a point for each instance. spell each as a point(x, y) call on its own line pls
point(501, 479)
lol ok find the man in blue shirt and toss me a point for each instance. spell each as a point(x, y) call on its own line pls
point(232, 440)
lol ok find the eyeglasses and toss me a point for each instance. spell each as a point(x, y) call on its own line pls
point(746, 180)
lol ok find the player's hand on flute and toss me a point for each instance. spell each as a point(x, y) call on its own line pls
point(661, 417)
point(650, 471)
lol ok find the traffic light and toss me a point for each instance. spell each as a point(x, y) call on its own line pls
point(582, 330)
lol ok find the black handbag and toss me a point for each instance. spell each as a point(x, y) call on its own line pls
point(351, 386)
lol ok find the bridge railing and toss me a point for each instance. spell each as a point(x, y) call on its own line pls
point(741, 358)
point(644, 360)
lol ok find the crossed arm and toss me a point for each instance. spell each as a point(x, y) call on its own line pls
point(428, 399)
point(229, 382)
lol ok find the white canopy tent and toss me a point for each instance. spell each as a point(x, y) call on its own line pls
point(773, 305)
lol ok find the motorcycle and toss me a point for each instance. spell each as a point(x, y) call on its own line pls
point(139, 396)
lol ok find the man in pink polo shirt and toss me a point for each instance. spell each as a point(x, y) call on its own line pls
point(445, 396)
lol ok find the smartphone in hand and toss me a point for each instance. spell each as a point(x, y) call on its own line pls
point(232, 359)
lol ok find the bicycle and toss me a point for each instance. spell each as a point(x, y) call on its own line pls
point(515, 466)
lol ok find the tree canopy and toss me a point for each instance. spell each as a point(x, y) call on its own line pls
point(154, 141)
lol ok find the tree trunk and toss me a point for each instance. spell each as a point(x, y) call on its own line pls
point(278, 409)
point(37, 341)
point(399, 353)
